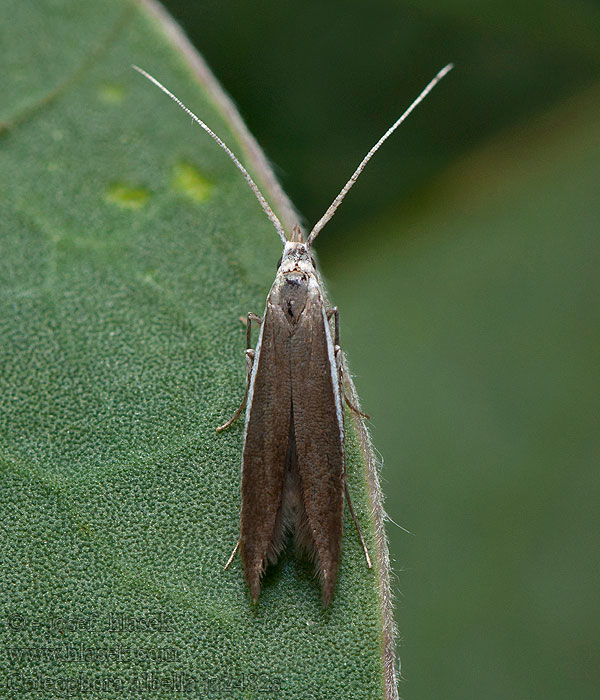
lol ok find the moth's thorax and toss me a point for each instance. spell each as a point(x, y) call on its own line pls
point(295, 280)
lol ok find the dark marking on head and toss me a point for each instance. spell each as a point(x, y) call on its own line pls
point(295, 278)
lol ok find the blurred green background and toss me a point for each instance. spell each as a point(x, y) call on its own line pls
point(466, 267)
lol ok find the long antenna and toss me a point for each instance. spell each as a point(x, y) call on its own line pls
point(263, 202)
point(338, 200)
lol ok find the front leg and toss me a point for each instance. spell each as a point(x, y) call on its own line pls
point(249, 363)
point(338, 359)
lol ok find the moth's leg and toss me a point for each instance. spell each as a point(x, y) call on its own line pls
point(249, 363)
point(336, 326)
point(352, 407)
point(251, 317)
point(362, 539)
point(235, 549)
point(236, 415)
point(338, 358)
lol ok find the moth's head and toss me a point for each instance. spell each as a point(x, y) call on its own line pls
point(296, 257)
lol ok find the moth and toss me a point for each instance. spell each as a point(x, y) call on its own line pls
point(293, 459)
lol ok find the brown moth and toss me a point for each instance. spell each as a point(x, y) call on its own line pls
point(293, 462)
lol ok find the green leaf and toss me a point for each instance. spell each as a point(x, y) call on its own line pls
point(130, 248)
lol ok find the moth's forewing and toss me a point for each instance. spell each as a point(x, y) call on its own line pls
point(265, 444)
point(318, 427)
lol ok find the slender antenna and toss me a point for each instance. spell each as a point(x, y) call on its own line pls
point(338, 200)
point(263, 202)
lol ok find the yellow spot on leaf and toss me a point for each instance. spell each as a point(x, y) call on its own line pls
point(190, 181)
point(111, 93)
point(126, 196)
